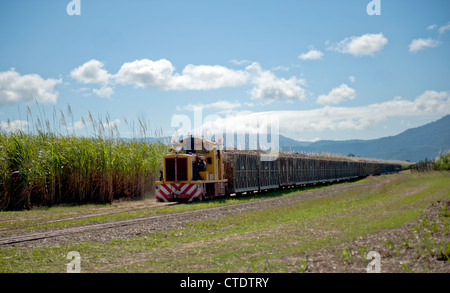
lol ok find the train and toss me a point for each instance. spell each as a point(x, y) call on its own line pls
point(198, 169)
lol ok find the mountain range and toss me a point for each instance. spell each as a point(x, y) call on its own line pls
point(415, 144)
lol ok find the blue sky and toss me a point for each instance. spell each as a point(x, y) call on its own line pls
point(325, 69)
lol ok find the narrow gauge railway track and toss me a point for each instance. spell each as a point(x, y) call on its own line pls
point(235, 207)
point(88, 215)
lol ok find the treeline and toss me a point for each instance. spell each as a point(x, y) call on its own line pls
point(47, 169)
point(441, 163)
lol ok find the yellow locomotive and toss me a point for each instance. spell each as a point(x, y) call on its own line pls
point(193, 171)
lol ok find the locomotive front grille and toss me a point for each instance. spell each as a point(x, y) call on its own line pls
point(176, 169)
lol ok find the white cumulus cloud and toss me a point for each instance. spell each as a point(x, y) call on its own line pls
point(240, 62)
point(444, 28)
point(28, 88)
point(365, 45)
point(200, 77)
point(104, 92)
point(420, 44)
point(91, 72)
point(271, 88)
point(311, 55)
point(110, 124)
point(337, 95)
point(160, 74)
point(12, 126)
point(146, 73)
point(77, 125)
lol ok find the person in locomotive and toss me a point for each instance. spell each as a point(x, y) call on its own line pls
point(192, 171)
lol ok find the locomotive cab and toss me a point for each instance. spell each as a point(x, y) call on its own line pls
point(192, 171)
